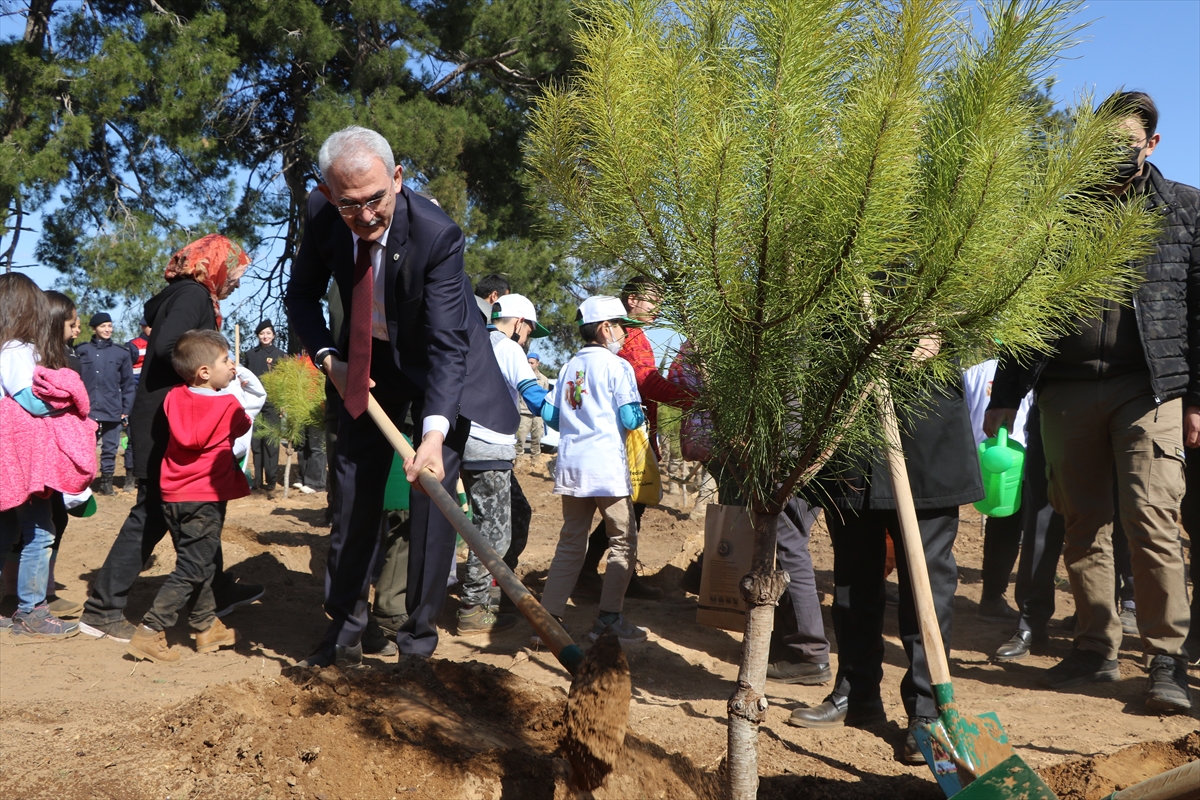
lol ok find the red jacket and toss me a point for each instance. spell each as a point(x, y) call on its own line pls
point(652, 386)
point(199, 466)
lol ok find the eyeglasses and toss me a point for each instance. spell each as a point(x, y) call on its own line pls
point(354, 209)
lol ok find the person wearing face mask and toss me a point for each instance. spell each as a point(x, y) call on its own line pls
point(595, 402)
point(498, 505)
point(1123, 390)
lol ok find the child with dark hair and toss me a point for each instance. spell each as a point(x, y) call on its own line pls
point(199, 476)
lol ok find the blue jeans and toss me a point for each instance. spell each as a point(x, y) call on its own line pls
point(30, 523)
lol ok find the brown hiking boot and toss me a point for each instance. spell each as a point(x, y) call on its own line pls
point(151, 645)
point(216, 637)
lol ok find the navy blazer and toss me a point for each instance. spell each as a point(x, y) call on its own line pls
point(440, 344)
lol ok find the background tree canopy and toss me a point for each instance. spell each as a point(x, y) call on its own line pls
point(140, 125)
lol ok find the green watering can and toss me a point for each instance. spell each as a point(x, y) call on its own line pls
point(1002, 462)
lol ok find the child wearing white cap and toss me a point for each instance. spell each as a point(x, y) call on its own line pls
point(595, 401)
point(497, 502)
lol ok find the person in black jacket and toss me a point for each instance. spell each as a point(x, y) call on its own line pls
point(260, 360)
point(108, 377)
point(198, 277)
point(944, 473)
point(1123, 390)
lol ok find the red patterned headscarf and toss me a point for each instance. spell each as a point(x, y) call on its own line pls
point(213, 261)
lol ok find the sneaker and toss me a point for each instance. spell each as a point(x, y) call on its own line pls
point(1167, 686)
point(241, 594)
point(536, 641)
point(1081, 666)
point(62, 607)
point(481, 619)
point(148, 644)
point(5, 623)
point(625, 631)
point(911, 753)
point(297, 485)
point(1129, 624)
point(375, 642)
point(306, 489)
point(120, 631)
point(216, 637)
point(40, 625)
point(997, 610)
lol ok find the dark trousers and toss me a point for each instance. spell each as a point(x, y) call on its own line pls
point(144, 528)
point(799, 628)
point(364, 460)
point(110, 440)
point(266, 462)
point(1122, 562)
point(522, 515)
point(310, 458)
point(196, 533)
point(391, 569)
point(859, 551)
point(1042, 533)
point(1001, 544)
point(1189, 517)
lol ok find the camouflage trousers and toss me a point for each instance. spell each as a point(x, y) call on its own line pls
point(490, 494)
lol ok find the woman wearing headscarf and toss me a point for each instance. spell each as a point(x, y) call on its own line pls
point(198, 277)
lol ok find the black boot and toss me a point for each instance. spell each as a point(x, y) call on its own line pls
point(106, 487)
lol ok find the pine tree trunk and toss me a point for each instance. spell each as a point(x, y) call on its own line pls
point(287, 471)
point(761, 589)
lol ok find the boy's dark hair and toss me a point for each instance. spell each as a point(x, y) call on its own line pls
point(638, 285)
point(196, 349)
point(491, 283)
point(1133, 104)
point(588, 331)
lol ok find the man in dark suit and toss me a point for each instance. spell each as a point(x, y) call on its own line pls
point(412, 333)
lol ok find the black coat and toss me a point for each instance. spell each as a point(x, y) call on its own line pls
point(440, 343)
point(260, 360)
point(943, 467)
point(1167, 305)
point(181, 307)
point(108, 376)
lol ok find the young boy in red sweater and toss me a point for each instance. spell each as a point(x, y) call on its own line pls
point(198, 476)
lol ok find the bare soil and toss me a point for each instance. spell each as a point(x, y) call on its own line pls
point(483, 719)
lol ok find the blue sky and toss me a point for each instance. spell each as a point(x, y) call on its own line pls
point(1150, 45)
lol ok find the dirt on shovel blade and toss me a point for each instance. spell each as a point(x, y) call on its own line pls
point(597, 712)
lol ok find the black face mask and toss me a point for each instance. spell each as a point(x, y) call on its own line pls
point(1129, 167)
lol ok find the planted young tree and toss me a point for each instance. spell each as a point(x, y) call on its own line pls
point(818, 186)
point(296, 388)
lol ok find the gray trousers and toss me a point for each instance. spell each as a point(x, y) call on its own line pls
point(799, 628)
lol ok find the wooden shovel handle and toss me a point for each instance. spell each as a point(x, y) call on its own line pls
point(910, 530)
point(547, 627)
point(1181, 783)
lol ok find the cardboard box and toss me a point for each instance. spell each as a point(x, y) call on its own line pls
point(728, 551)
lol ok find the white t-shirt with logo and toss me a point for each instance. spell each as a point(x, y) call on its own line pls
point(977, 389)
point(590, 391)
point(514, 366)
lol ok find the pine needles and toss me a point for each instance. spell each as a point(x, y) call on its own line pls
point(779, 166)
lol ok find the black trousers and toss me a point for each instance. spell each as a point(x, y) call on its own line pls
point(196, 533)
point(1001, 544)
point(363, 460)
point(1042, 536)
point(522, 515)
point(859, 551)
point(265, 453)
point(144, 528)
point(1189, 517)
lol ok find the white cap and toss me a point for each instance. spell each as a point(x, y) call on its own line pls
point(518, 306)
point(602, 308)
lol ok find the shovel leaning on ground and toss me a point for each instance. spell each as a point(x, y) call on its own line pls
point(969, 755)
point(598, 702)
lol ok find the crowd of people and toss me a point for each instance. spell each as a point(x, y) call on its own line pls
point(1106, 420)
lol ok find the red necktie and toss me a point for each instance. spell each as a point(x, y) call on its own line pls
point(358, 368)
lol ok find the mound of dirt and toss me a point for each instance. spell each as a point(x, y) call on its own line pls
point(1096, 778)
point(421, 729)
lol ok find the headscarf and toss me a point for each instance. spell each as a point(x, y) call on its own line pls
point(214, 262)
